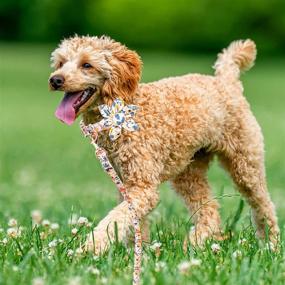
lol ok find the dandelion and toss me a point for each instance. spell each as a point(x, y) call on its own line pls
point(54, 226)
point(82, 221)
point(38, 281)
point(237, 254)
point(12, 232)
point(215, 248)
point(46, 223)
point(12, 223)
point(93, 270)
point(184, 267)
point(74, 231)
point(36, 216)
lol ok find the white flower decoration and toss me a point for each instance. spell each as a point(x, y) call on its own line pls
point(117, 117)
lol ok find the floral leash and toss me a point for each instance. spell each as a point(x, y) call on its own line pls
point(115, 118)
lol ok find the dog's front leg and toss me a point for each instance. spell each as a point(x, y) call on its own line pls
point(144, 198)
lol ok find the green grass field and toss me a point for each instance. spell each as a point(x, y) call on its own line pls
point(48, 166)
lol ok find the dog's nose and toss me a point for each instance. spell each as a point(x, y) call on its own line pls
point(56, 81)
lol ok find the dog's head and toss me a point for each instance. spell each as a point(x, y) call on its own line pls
point(92, 70)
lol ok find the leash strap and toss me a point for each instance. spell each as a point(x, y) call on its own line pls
point(92, 131)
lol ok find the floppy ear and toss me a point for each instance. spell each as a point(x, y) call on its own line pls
point(126, 72)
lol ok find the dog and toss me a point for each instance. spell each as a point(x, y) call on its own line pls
point(183, 123)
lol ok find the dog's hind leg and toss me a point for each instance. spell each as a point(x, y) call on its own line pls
point(193, 186)
point(245, 162)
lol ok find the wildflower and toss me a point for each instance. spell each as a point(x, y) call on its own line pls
point(43, 235)
point(159, 266)
point(5, 241)
point(95, 257)
point(93, 270)
point(70, 253)
point(237, 254)
point(53, 243)
point(46, 223)
point(82, 221)
point(184, 267)
point(36, 217)
point(54, 226)
point(242, 241)
point(12, 223)
point(156, 247)
point(195, 262)
point(79, 251)
point(74, 231)
point(12, 232)
point(38, 281)
point(215, 248)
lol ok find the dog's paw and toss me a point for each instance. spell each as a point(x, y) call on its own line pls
point(198, 237)
point(97, 242)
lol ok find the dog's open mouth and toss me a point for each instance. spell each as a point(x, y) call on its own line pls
point(71, 103)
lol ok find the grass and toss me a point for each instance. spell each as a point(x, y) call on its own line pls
point(48, 166)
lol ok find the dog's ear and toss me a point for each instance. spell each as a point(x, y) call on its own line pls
point(125, 75)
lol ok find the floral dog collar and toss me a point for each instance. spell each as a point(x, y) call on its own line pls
point(117, 117)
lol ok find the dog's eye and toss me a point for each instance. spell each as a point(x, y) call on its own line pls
point(60, 64)
point(86, 65)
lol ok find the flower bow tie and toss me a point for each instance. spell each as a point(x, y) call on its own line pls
point(118, 117)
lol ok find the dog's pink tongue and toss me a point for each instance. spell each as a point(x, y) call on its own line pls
point(65, 111)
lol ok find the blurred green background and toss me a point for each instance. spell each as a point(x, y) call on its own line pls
point(47, 165)
point(203, 26)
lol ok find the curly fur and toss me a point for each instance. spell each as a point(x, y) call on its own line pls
point(184, 121)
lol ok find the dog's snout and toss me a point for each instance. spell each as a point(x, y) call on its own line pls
point(56, 81)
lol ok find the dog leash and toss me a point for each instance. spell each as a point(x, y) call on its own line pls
point(115, 118)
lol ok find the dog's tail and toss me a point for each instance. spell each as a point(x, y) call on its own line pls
point(239, 56)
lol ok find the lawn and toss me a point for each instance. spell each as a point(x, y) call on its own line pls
point(50, 167)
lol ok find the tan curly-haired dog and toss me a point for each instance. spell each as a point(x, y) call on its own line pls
point(183, 122)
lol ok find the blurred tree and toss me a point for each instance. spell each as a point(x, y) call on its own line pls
point(203, 25)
